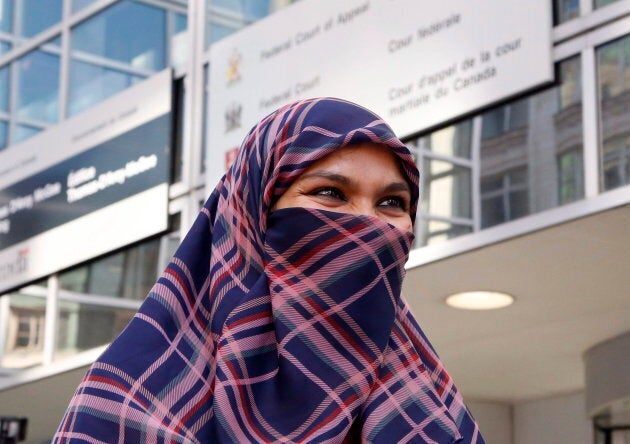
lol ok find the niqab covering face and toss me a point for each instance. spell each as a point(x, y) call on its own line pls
point(277, 326)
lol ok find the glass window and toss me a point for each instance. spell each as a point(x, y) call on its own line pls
point(36, 17)
point(114, 34)
point(570, 87)
point(4, 88)
point(571, 177)
point(504, 197)
point(453, 141)
point(55, 41)
point(6, 16)
point(91, 84)
point(254, 9)
point(128, 274)
point(446, 189)
point(436, 231)
point(616, 162)
point(85, 326)
point(80, 4)
point(23, 132)
point(4, 129)
point(226, 16)
point(179, 42)
point(565, 10)
point(600, 3)
point(530, 148)
point(23, 327)
point(505, 119)
point(613, 60)
point(88, 314)
point(38, 86)
point(216, 31)
point(5, 47)
point(177, 153)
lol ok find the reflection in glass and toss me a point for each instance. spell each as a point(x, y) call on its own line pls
point(565, 10)
point(227, 16)
point(6, 16)
point(216, 31)
point(436, 231)
point(4, 88)
point(38, 92)
point(22, 317)
point(179, 42)
point(128, 274)
point(37, 17)
point(505, 119)
point(114, 34)
point(4, 128)
point(5, 47)
point(55, 41)
point(570, 176)
point(251, 9)
point(80, 4)
point(98, 299)
point(600, 3)
point(446, 189)
point(531, 151)
point(444, 158)
point(23, 132)
point(91, 84)
point(84, 326)
point(454, 140)
point(504, 197)
point(613, 60)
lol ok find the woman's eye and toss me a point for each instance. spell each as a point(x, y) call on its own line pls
point(393, 201)
point(329, 192)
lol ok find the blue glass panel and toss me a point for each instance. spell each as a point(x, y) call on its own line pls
point(4, 126)
point(5, 47)
point(215, 32)
point(80, 4)
point(36, 17)
point(613, 69)
point(600, 3)
point(565, 10)
point(91, 84)
point(179, 42)
point(181, 23)
point(6, 16)
point(4, 88)
point(127, 32)
point(38, 93)
point(23, 132)
point(252, 9)
point(56, 41)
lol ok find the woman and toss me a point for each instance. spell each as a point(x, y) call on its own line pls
point(280, 318)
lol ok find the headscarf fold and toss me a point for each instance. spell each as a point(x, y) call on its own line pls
point(277, 326)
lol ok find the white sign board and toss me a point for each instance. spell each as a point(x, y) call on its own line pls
point(417, 63)
point(91, 184)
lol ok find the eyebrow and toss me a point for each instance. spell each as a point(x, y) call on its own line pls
point(341, 179)
point(327, 175)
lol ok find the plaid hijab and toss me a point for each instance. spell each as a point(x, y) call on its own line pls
point(283, 326)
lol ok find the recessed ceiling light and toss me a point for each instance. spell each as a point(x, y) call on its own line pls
point(480, 300)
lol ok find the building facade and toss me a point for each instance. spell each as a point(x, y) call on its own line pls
point(558, 154)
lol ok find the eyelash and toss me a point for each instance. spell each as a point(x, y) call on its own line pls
point(335, 193)
point(330, 192)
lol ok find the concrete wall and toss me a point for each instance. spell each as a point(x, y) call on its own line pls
point(495, 421)
point(43, 402)
point(559, 420)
